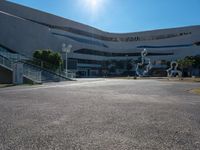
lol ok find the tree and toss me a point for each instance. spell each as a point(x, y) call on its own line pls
point(197, 61)
point(187, 62)
point(50, 60)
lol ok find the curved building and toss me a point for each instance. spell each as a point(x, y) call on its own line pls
point(24, 30)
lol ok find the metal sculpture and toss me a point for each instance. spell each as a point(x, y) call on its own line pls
point(173, 71)
point(144, 66)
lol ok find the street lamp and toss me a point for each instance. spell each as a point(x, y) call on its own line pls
point(66, 50)
point(126, 62)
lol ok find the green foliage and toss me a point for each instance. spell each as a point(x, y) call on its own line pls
point(49, 59)
point(197, 61)
point(190, 61)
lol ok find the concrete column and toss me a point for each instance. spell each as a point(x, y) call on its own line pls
point(18, 73)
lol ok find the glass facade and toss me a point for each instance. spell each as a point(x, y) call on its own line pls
point(112, 60)
point(197, 43)
point(108, 54)
point(166, 46)
point(81, 40)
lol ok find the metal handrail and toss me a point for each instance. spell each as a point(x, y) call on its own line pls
point(33, 62)
point(46, 70)
point(6, 62)
point(28, 72)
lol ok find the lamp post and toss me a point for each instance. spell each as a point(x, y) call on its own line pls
point(66, 50)
point(126, 62)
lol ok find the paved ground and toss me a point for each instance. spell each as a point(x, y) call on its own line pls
point(100, 114)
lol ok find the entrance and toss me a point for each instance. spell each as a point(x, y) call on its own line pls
point(83, 73)
point(87, 73)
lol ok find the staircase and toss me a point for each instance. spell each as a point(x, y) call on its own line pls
point(28, 72)
point(31, 71)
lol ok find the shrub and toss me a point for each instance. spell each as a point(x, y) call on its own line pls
point(50, 60)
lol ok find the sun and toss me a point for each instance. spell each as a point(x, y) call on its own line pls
point(93, 5)
point(93, 8)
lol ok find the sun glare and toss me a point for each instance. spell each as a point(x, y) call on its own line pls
point(93, 5)
point(92, 8)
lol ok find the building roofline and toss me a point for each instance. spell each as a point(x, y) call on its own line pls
point(99, 31)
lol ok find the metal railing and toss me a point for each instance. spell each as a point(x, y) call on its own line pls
point(6, 62)
point(33, 68)
point(69, 74)
point(28, 72)
point(32, 73)
point(12, 56)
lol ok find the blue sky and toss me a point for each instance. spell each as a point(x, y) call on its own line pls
point(123, 15)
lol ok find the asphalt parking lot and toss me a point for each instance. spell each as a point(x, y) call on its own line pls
point(100, 114)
